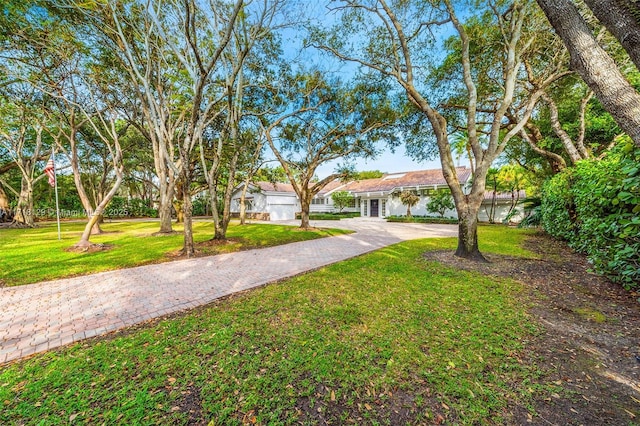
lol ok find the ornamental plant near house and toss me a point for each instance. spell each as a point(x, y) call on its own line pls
point(440, 202)
point(409, 199)
point(342, 199)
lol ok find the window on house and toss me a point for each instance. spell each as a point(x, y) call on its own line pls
point(383, 208)
point(365, 205)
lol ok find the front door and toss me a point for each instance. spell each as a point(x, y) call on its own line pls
point(374, 208)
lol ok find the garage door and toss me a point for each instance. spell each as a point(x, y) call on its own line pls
point(282, 212)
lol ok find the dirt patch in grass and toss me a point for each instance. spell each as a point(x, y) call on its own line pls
point(215, 243)
point(165, 234)
point(206, 248)
point(590, 345)
point(93, 248)
point(191, 404)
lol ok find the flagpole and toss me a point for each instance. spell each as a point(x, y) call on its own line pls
point(55, 181)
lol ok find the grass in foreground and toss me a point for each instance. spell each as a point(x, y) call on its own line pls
point(385, 338)
point(32, 255)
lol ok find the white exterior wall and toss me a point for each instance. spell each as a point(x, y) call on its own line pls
point(328, 207)
point(279, 205)
point(394, 207)
point(502, 209)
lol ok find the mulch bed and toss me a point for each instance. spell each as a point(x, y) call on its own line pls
point(590, 346)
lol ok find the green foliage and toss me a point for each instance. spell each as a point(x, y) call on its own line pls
point(342, 199)
point(440, 201)
point(368, 174)
point(596, 207)
point(122, 207)
point(201, 206)
point(420, 219)
point(557, 206)
point(331, 216)
point(382, 330)
point(271, 174)
point(532, 212)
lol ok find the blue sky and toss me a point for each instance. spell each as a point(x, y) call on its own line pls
point(386, 162)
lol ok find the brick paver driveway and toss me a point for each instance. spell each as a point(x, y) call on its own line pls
point(39, 317)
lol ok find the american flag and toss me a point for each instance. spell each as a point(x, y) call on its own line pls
point(50, 170)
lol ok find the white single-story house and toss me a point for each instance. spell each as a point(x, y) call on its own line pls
point(372, 197)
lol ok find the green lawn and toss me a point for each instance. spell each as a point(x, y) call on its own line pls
point(384, 338)
point(32, 255)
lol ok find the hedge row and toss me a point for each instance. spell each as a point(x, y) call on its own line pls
point(331, 216)
point(421, 219)
point(595, 206)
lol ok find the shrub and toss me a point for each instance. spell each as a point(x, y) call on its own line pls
point(201, 206)
point(595, 206)
point(331, 216)
point(421, 219)
point(440, 202)
point(342, 200)
point(557, 206)
point(409, 199)
point(532, 212)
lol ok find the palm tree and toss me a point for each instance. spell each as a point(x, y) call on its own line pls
point(410, 199)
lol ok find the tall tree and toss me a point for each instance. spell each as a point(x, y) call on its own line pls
point(622, 19)
point(396, 44)
point(325, 121)
point(21, 137)
point(594, 64)
point(170, 52)
point(246, 73)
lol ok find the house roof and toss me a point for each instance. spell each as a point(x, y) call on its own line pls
point(391, 181)
point(287, 187)
point(388, 182)
point(332, 186)
point(277, 187)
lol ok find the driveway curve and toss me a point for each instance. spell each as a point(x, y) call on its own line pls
point(38, 317)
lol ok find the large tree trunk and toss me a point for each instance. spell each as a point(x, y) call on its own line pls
point(468, 233)
point(304, 213)
point(24, 210)
point(223, 223)
point(213, 204)
point(187, 213)
point(93, 218)
point(183, 191)
point(166, 184)
point(595, 66)
point(618, 17)
point(4, 206)
point(243, 198)
point(165, 205)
